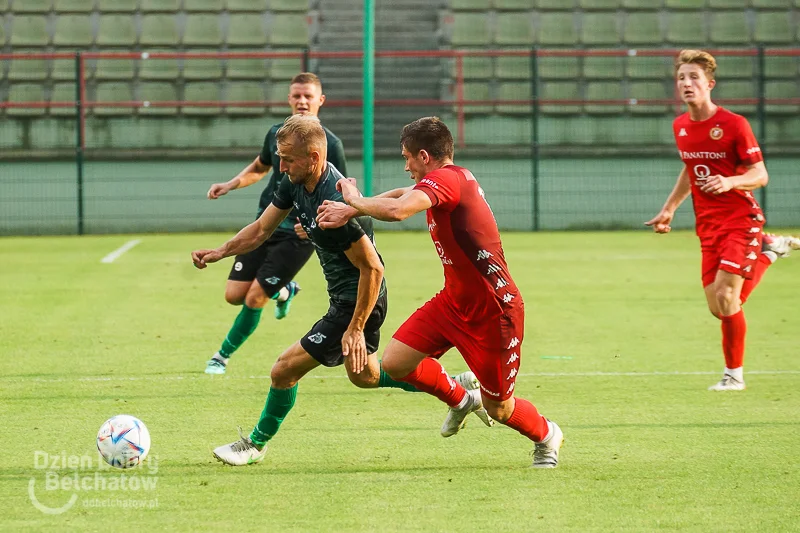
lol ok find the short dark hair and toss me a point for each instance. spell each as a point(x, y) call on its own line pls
point(429, 134)
point(307, 77)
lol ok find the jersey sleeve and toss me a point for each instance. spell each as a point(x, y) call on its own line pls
point(747, 148)
point(341, 238)
point(336, 157)
point(442, 188)
point(283, 195)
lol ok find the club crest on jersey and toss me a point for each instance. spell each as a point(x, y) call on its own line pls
point(716, 133)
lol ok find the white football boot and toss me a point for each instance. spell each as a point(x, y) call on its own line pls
point(467, 380)
point(781, 245)
point(240, 453)
point(728, 382)
point(545, 453)
point(456, 417)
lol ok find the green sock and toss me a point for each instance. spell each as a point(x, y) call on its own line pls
point(386, 381)
point(279, 403)
point(244, 326)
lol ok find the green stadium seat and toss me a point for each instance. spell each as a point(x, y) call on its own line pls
point(693, 5)
point(649, 67)
point(773, 28)
point(247, 91)
point(4, 5)
point(214, 6)
point(246, 30)
point(285, 68)
point(783, 90)
point(603, 68)
point(560, 68)
point(161, 6)
point(202, 30)
point(29, 30)
point(686, 28)
point(27, 69)
point(202, 69)
point(475, 67)
point(278, 93)
point(63, 92)
point(555, 5)
point(513, 29)
point(117, 6)
point(115, 69)
point(2, 34)
point(650, 5)
point(514, 91)
point(158, 69)
point(73, 31)
point(649, 90)
point(159, 30)
point(113, 92)
point(300, 6)
point(513, 5)
point(247, 69)
point(116, 30)
point(32, 6)
point(728, 4)
point(497, 130)
point(475, 91)
point(727, 90)
point(604, 90)
point(513, 68)
point(470, 29)
point(26, 92)
point(158, 92)
point(557, 29)
point(643, 28)
point(732, 67)
point(201, 91)
point(599, 4)
point(73, 6)
point(780, 66)
point(288, 30)
point(64, 69)
point(772, 4)
point(247, 5)
point(600, 29)
point(560, 90)
point(471, 5)
point(729, 27)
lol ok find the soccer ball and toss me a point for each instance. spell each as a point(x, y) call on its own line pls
point(123, 441)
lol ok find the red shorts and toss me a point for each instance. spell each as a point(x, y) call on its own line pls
point(490, 348)
point(732, 250)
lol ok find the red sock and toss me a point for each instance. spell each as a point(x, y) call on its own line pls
point(734, 328)
point(527, 420)
point(761, 266)
point(432, 378)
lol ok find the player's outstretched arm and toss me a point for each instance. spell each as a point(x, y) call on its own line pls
point(387, 209)
point(755, 177)
point(248, 239)
point(249, 175)
point(365, 258)
point(336, 214)
point(681, 191)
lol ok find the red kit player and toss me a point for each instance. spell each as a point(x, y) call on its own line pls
point(480, 310)
point(722, 164)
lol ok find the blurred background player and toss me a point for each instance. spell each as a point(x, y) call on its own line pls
point(268, 271)
point(722, 164)
point(480, 310)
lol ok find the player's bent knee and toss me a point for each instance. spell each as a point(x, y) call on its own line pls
point(282, 376)
point(364, 381)
point(234, 298)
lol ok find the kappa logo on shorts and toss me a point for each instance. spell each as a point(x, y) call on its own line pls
point(316, 338)
point(755, 230)
point(493, 269)
point(507, 298)
point(238, 266)
point(501, 283)
point(512, 374)
point(510, 388)
point(273, 280)
point(752, 255)
point(748, 268)
point(513, 344)
point(513, 358)
point(484, 254)
point(754, 242)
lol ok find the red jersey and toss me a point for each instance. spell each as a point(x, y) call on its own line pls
point(476, 278)
point(723, 144)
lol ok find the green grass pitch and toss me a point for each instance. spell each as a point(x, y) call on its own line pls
point(619, 349)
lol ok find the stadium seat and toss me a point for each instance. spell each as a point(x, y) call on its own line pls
point(782, 90)
point(117, 6)
point(728, 4)
point(498, 130)
point(600, 29)
point(730, 27)
point(732, 67)
point(471, 5)
point(63, 92)
point(27, 69)
point(513, 68)
point(278, 94)
point(686, 28)
point(247, 69)
point(113, 92)
point(158, 92)
point(158, 69)
point(247, 91)
point(288, 30)
point(554, 5)
point(26, 92)
point(649, 67)
point(560, 90)
point(300, 6)
point(692, 5)
point(246, 30)
point(202, 30)
point(773, 27)
point(201, 91)
point(649, 90)
point(470, 29)
point(116, 30)
point(514, 91)
point(29, 30)
point(285, 68)
point(558, 67)
point(726, 90)
point(780, 66)
point(159, 30)
point(32, 6)
point(115, 69)
point(643, 28)
point(772, 4)
point(2, 34)
point(247, 5)
point(557, 29)
point(475, 67)
point(73, 6)
point(214, 6)
point(202, 69)
point(73, 31)
point(604, 90)
point(513, 29)
point(599, 4)
point(603, 68)
point(165, 6)
point(475, 91)
point(642, 4)
point(64, 69)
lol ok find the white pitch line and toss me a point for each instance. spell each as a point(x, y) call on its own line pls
point(542, 374)
point(113, 256)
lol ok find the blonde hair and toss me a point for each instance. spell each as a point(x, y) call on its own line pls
point(305, 130)
point(697, 57)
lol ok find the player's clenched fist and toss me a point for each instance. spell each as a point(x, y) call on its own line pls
point(217, 190)
point(202, 258)
point(660, 222)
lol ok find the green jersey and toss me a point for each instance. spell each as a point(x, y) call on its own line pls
point(330, 244)
point(268, 156)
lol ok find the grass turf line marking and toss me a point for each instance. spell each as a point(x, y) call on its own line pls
point(113, 256)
